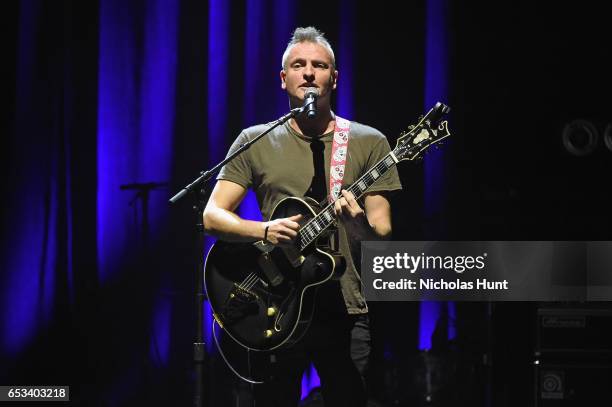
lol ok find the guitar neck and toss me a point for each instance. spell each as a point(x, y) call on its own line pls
point(317, 225)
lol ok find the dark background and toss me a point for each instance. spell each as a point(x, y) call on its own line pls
point(518, 73)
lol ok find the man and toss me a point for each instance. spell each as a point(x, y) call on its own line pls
point(294, 160)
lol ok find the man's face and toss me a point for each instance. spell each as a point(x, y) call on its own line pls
point(308, 65)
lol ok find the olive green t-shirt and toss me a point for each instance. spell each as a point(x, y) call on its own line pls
point(281, 165)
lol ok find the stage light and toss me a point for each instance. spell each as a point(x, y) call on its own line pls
point(580, 137)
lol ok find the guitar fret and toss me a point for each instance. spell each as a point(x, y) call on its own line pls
point(312, 229)
point(321, 223)
point(311, 233)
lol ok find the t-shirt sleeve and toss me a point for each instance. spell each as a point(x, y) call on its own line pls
point(390, 181)
point(238, 170)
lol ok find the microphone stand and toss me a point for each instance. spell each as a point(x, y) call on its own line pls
point(142, 192)
point(199, 189)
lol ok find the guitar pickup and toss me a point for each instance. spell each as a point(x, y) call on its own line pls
point(274, 276)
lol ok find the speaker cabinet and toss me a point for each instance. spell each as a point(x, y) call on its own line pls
point(572, 385)
point(573, 355)
point(578, 330)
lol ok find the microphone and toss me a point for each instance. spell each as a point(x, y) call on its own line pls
point(310, 101)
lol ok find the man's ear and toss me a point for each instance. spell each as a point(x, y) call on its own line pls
point(334, 80)
point(283, 75)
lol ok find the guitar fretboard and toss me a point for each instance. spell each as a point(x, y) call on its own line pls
point(317, 225)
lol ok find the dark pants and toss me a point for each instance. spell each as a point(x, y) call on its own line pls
point(339, 347)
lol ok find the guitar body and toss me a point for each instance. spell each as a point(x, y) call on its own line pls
point(263, 295)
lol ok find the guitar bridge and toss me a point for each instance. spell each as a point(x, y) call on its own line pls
point(242, 293)
point(239, 304)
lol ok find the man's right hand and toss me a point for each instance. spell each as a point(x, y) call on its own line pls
point(282, 230)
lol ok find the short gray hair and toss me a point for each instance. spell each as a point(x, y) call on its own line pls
point(308, 34)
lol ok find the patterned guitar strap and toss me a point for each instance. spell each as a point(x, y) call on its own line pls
point(337, 165)
point(338, 157)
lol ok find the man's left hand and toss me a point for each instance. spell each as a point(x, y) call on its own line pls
point(348, 208)
point(357, 224)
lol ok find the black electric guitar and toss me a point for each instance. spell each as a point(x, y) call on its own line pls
point(263, 295)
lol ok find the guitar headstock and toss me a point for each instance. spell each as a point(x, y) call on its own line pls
point(427, 132)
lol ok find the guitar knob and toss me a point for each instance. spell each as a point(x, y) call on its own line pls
point(268, 333)
point(271, 311)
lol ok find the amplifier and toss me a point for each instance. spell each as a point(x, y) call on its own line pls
point(574, 330)
point(572, 385)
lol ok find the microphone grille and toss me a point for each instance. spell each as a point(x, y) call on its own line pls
point(312, 92)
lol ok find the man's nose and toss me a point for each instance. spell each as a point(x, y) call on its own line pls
point(308, 72)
